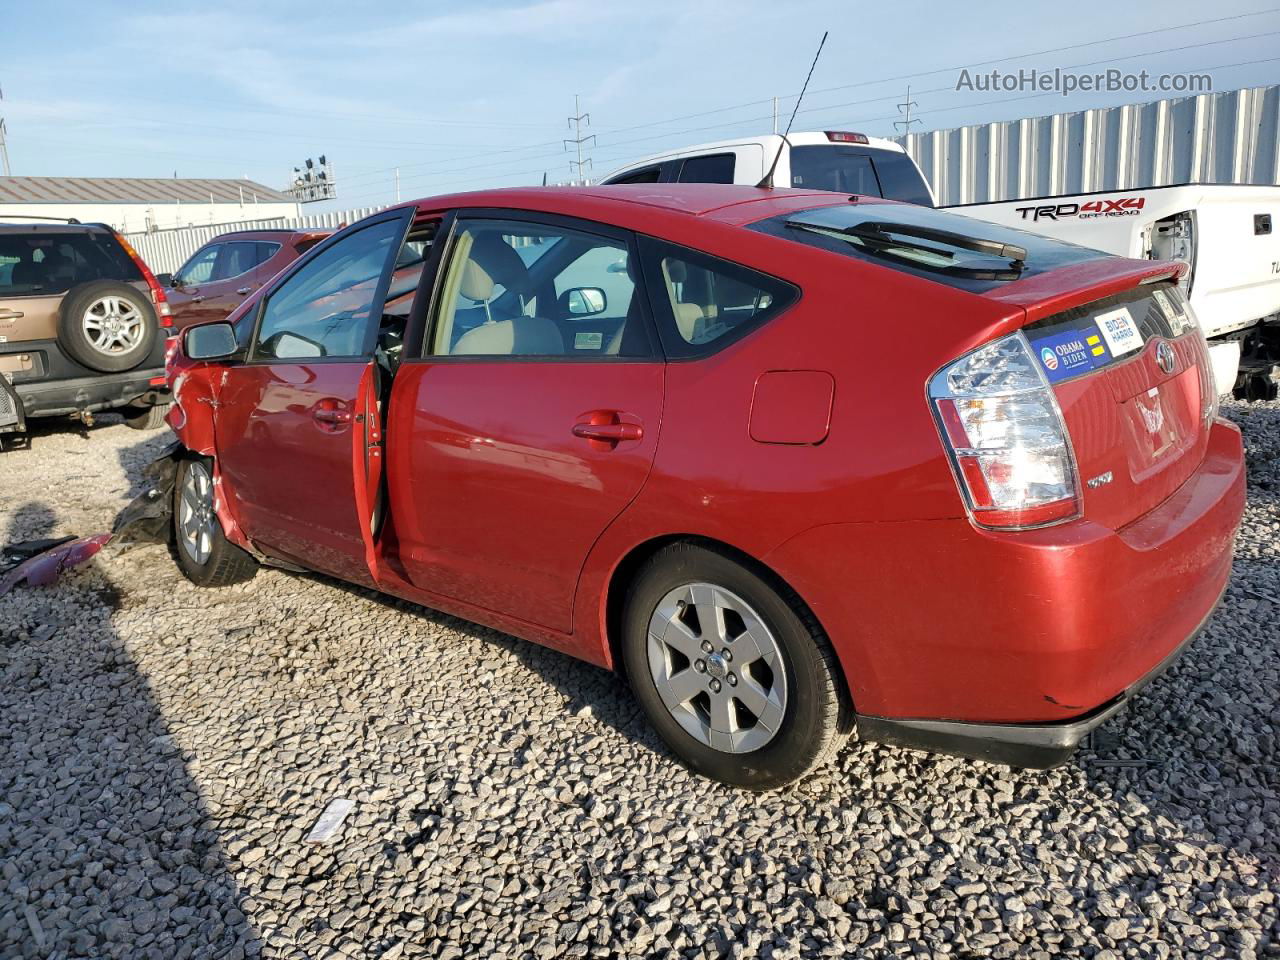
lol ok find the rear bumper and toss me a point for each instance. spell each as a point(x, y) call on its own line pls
point(941, 626)
point(104, 391)
point(52, 384)
point(1030, 745)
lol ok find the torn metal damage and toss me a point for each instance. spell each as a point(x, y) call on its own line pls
point(148, 519)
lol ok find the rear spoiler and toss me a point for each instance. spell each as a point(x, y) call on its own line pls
point(1057, 290)
point(308, 240)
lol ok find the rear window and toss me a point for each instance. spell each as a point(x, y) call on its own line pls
point(715, 168)
point(44, 264)
point(855, 169)
point(947, 248)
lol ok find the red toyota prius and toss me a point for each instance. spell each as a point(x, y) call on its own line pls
point(793, 462)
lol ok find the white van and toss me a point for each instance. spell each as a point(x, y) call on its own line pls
point(829, 160)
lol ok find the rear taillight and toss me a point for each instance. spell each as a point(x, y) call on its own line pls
point(844, 136)
point(158, 299)
point(1000, 422)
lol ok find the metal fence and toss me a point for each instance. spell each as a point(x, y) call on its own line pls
point(166, 250)
point(1230, 137)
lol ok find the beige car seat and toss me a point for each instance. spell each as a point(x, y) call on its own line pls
point(519, 336)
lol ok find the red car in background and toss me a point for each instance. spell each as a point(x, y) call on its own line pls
point(792, 461)
point(218, 277)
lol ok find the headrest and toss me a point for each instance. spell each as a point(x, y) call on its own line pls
point(677, 271)
point(500, 261)
point(476, 283)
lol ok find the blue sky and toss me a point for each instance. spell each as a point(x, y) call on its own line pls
point(461, 96)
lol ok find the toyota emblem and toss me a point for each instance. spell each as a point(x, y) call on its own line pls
point(1165, 357)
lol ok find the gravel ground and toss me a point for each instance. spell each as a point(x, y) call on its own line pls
point(164, 751)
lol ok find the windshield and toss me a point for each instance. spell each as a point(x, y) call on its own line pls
point(857, 169)
point(40, 264)
point(944, 247)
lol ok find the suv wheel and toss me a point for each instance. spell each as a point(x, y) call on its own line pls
point(734, 672)
point(148, 417)
point(107, 326)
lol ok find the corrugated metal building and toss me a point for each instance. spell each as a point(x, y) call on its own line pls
point(1229, 137)
point(166, 250)
point(141, 204)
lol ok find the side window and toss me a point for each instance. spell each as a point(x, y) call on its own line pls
point(199, 269)
point(326, 308)
point(647, 175)
point(265, 251)
point(716, 168)
point(514, 288)
point(236, 258)
point(706, 303)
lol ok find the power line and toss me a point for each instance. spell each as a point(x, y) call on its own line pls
point(525, 148)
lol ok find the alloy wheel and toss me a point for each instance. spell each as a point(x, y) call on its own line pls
point(114, 325)
point(717, 667)
point(196, 518)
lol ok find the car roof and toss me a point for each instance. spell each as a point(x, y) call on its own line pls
point(50, 226)
point(769, 141)
point(272, 233)
point(724, 202)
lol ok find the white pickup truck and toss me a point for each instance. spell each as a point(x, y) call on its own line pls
point(1227, 233)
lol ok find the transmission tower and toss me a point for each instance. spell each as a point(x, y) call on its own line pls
point(905, 109)
point(576, 121)
point(4, 149)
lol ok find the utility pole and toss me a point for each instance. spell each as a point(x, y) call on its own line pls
point(4, 149)
point(905, 109)
point(775, 114)
point(579, 140)
point(397, 184)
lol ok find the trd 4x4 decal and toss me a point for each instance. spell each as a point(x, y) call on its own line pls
point(1119, 207)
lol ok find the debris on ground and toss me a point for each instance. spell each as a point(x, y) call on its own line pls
point(41, 562)
point(330, 820)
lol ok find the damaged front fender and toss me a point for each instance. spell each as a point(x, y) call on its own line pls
point(149, 518)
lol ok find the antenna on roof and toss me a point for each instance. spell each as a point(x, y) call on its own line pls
point(767, 182)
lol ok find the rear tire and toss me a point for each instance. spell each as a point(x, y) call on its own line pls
point(146, 418)
point(206, 557)
point(107, 326)
point(787, 710)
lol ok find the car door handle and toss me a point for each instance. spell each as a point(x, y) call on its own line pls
point(243, 290)
point(608, 432)
point(199, 298)
point(11, 314)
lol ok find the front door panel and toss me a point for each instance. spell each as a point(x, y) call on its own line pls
point(497, 497)
point(286, 438)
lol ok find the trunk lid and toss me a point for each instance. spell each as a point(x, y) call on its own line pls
point(1132, 375)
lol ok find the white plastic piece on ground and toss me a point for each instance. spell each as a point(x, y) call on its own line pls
point(1225, 357)
point(330, 820)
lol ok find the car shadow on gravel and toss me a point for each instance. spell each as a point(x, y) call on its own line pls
point(105, 843)
point(585, 687)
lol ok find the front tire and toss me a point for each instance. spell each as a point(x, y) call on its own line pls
point(734, 672)
point(207, 558)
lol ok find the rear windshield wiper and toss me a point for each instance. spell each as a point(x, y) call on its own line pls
point(881, 238)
